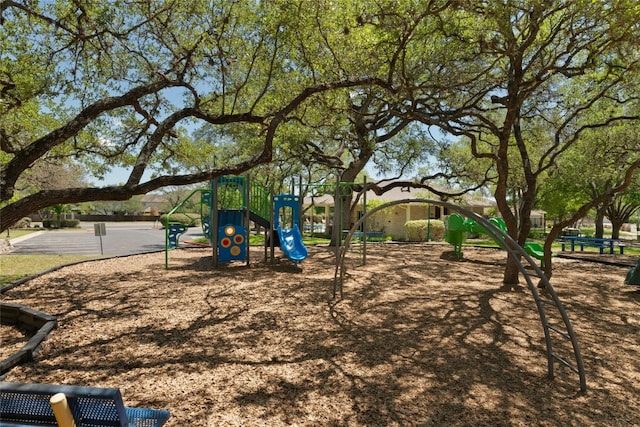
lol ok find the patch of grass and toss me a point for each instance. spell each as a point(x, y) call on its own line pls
point(591, 231)
point(15, 267)
point(19, 232)
point(256, 240)
point(199, 240)
point(555, 247)
point(316, 241)
point(630, 251)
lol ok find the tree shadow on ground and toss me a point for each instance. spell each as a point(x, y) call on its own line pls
point(417, 340)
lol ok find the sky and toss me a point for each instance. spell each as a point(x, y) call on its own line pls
point(117, 176)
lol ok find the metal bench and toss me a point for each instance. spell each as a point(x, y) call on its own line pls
point(24, 404)
point(601, 244)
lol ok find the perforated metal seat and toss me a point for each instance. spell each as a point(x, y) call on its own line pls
point(28, 405)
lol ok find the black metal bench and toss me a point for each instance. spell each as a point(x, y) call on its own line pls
point(24, 404)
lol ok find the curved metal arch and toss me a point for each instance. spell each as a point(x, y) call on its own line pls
point(516, 252)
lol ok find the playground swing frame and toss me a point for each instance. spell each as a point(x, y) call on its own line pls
point(516, 252)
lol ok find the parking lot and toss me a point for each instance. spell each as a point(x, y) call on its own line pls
point(120, 239)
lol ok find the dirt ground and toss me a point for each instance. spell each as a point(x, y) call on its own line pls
point(419, 339)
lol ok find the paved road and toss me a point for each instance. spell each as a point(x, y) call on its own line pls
point(121, 239)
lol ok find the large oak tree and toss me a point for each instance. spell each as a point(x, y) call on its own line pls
point(121, 83)
point(107, 84)
point(519, 81)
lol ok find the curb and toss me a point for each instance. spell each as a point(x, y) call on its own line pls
point(26, 237)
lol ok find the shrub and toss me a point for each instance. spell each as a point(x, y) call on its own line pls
point(23, 223)
point(64, 223)
point(190, 220)
point(536, 233)
point(417, 230)
point(49, 223)
point(70, 223)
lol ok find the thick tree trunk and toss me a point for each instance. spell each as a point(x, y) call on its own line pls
point(511, 273)
point(512, 268)
point(341, 217)
point(342, 210)
point(600, 214)
point(616, 226)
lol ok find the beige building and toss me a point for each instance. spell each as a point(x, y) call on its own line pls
point(153, 203)
point(537, 218)
point(389, 221)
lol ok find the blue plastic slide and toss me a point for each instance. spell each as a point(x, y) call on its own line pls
point(291, 243)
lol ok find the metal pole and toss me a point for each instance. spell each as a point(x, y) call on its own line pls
point(300, 207)
point(364, 222)
point(337, 233)
point(272, 225)
point(428, 222)
point(246, 216)
point(214, 221)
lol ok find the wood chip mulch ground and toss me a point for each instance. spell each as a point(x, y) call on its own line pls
point(419, 339)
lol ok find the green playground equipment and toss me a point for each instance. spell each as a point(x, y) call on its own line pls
point(455, 232)
point(633, 275)
point(536, 250)
point(222, 210)
point(195, 208)
point(457, 227)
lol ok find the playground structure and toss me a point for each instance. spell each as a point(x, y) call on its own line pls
point(286, 214)
point(558, 327)
point(225, 211)
point(457, 227)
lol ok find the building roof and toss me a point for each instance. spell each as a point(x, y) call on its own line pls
point(153, 198)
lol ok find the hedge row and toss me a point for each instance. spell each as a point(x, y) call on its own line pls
point(64, 223)
point(192, 220)
point(418, 230)
point(23, 223)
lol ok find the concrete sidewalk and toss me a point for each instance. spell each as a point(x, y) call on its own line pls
point(15, 240)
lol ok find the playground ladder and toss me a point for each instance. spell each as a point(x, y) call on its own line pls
point(554, 318)
point(560, 330)
point(557, 328)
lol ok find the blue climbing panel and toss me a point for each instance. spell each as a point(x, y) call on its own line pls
point(232, 243)
point(174, 231)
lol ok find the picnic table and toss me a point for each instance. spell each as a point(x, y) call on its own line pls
point(600, 243)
